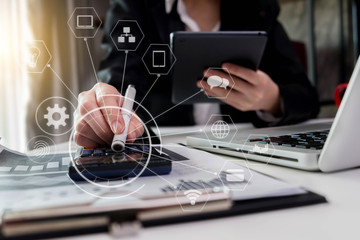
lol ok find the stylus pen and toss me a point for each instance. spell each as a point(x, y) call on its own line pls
point(119, 140)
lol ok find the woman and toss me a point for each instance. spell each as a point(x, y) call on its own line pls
point(276, 94)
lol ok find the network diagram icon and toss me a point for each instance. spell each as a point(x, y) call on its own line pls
point(126, 35)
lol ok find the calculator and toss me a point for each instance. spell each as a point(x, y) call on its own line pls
point(103, 164)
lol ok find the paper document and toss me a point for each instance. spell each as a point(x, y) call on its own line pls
point(47, 185)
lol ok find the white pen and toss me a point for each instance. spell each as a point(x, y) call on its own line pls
point(119, 140)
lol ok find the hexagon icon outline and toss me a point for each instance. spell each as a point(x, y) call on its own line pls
point(72, 15)
point(171, 52)
point(233, 134)
point(205, 191)
point(139, 28)
point(255, 149)
point(247, 182)
point(222, 69)
point(48, 60)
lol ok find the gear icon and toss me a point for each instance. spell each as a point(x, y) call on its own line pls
point(56, 116)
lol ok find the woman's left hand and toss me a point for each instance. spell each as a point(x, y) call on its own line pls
point(250, 91)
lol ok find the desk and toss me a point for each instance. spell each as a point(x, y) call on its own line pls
point(338, 219)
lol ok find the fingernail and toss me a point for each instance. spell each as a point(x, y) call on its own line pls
point(226, 65)
point(117, 127)
point(132, 136)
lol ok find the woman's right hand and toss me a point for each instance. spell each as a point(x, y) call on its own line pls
point(99, 126)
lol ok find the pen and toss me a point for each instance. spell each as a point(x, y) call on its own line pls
point(119, 140)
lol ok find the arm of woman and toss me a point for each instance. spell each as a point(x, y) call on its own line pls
point(280, 87)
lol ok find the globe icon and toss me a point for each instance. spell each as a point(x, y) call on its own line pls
point(220, 129)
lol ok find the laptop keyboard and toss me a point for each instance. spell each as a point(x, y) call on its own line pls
point(307, 140)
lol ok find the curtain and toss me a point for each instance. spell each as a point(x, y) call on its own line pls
point(71, 71)
point(14, 94)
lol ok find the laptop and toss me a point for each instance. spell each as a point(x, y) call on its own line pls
point(326, 146)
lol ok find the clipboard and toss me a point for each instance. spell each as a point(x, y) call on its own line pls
point(130, 221)
point(247, 207)
point(158, 208)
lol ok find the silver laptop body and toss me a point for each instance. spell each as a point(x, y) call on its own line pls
point(340, 151)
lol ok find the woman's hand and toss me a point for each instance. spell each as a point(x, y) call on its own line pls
point(251, 90)
point(98, 127)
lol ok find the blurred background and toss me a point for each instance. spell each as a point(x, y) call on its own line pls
point(324, 32)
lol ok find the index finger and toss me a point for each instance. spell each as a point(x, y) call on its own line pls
point(241, 72)
point(107, 96)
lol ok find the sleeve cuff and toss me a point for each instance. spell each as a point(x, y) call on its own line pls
point(269, 118)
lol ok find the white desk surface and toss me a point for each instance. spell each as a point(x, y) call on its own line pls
point(337, 219)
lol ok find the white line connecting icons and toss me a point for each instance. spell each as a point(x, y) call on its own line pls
point(54, 115)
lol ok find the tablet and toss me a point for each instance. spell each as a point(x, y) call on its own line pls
point(195, 52)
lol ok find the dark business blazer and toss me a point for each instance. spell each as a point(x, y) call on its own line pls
point(279, 61)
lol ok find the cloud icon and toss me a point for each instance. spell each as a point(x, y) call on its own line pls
point(216, 81)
